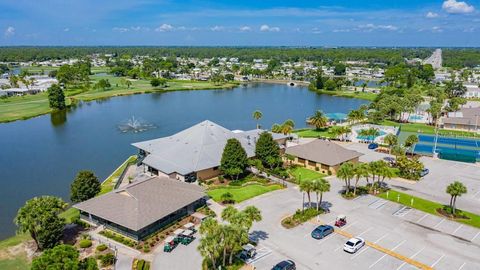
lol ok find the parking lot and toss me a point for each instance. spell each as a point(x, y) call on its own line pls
point(405, 233)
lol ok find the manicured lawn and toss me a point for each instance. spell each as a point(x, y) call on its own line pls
point(314, 133)
point(70, 214)
point(110, 182)
point(13, 262)
point(241, 193)
point(427, 206)
point(301, 173)
point(16, 263)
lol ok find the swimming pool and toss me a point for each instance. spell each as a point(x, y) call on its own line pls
point(415, 117)
point(371, 138)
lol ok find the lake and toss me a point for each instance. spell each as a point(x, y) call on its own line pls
point(41, 156)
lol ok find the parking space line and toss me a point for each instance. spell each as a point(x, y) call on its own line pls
point(461, 225)
point(364, 231)
point(356, 255)
point(460, 268)
point(422, 218)
point(475, 236)
point(411, 257)
point(441, 221)
point(380, 238)
point(435, 263)
point(393, 249)
point(350, 225)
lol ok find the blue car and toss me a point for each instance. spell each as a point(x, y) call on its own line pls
point(373, 146)
point(322, 231)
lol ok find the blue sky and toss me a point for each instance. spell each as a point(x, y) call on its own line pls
point(241, 23)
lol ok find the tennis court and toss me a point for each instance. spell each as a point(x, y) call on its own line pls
point(458, 149)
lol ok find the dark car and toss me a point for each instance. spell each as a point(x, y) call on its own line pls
point(424, 172)
point(285, 265)
point(322, 231)
point(373, 146)
point(390, 160)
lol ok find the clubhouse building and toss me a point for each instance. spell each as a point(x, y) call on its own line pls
point(195, 152)
point(322, 156)
point(143, 207)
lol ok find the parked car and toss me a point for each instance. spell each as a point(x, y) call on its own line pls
point(248, 252)
point(424, 172)
point(354, 244)
point(373, 146)
point(285, 265)
point(390, 160)
point(322, 231)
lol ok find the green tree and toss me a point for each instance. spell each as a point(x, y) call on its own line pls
point(257, 115)
point(39, 217)
point(307, 187)
point(411, 141)
point(340, 69)
point(409, 168)
point(227, 197)
point(85, 186)
point(346, 173)
point(319, 187)
point(391, 140)
point(234, 159)
point(63, 257)
point(330, 85)
point(318, 120)
point(56, 97)
point(455, 189)
point(156, 82)
point(360, 170)
point(103, 84)
point(455, 88)
point(267, 149)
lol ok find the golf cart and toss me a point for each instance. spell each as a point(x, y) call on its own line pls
point(187, 237)
point(341, 221)
point(248, 252)
point(178, 235)
point(189, 226)
point(170, 244)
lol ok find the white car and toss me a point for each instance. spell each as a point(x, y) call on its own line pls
point(354, 244)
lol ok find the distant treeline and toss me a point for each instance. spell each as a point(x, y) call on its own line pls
point(389, 56)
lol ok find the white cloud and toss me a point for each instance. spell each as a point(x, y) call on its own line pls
point(341, 30)
point(370, 27)
point(164, 28)
point(437, 29)
point(266, 28)
point(431, 15)
point(66, 29)
point(245, 28)
point(457, 7)
point(130, 29)
point(217, 28)
point(10, 31)
point(120, 29)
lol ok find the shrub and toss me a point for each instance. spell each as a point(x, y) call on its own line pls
point(146, 249)
point(107, 259)
point(101, 247)
point(85, 243)
point(140, 264)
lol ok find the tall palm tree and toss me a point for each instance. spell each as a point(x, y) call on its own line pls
point(318, 120)
point(276, 128)
point(345, 130)
point(287, 126)
point(455, 189)
point(319, 187)
point(336, 131)
point(307, 187)
point(359, 170)
point(391, 140)
point(346, 173)
point(257, 115)
point(410, 142)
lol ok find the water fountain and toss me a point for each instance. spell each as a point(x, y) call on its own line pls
point(135, 125)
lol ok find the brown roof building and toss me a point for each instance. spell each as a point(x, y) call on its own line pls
point(143, 207)
point(323, 156)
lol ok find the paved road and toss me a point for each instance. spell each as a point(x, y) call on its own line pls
point(435, 59)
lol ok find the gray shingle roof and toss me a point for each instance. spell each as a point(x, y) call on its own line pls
point(142, 203)
point(325, 152)
point(196, 148)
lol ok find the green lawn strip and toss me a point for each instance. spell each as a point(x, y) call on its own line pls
point(109, 183)
point(427, 206)
point(18, 262)
point(242, 193)
point(313, 133)
point(349, 94)
point(301, 173)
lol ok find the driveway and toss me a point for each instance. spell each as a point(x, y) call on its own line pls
point(181, 258)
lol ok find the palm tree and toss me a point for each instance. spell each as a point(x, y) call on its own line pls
point(318, 120)
point(455, 189)
point(287, 126)
point(335, 131)
point(390, 140)
point(370, 133)
point(346, 173)
point(356, 115)
point(411, 141)
point(276, 128)
point(319, 187)
point(360, 170)
point(345, 130)
point(257, 115)
point(385, 172)
point(307, 187)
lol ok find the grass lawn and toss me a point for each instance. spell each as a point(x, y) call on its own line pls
point(313, 133)
point(24, 107)
point(427, 206)
point(110, 182)
point(241, 193)
point(350, 94)
point(13, 260)
point(301, 173)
